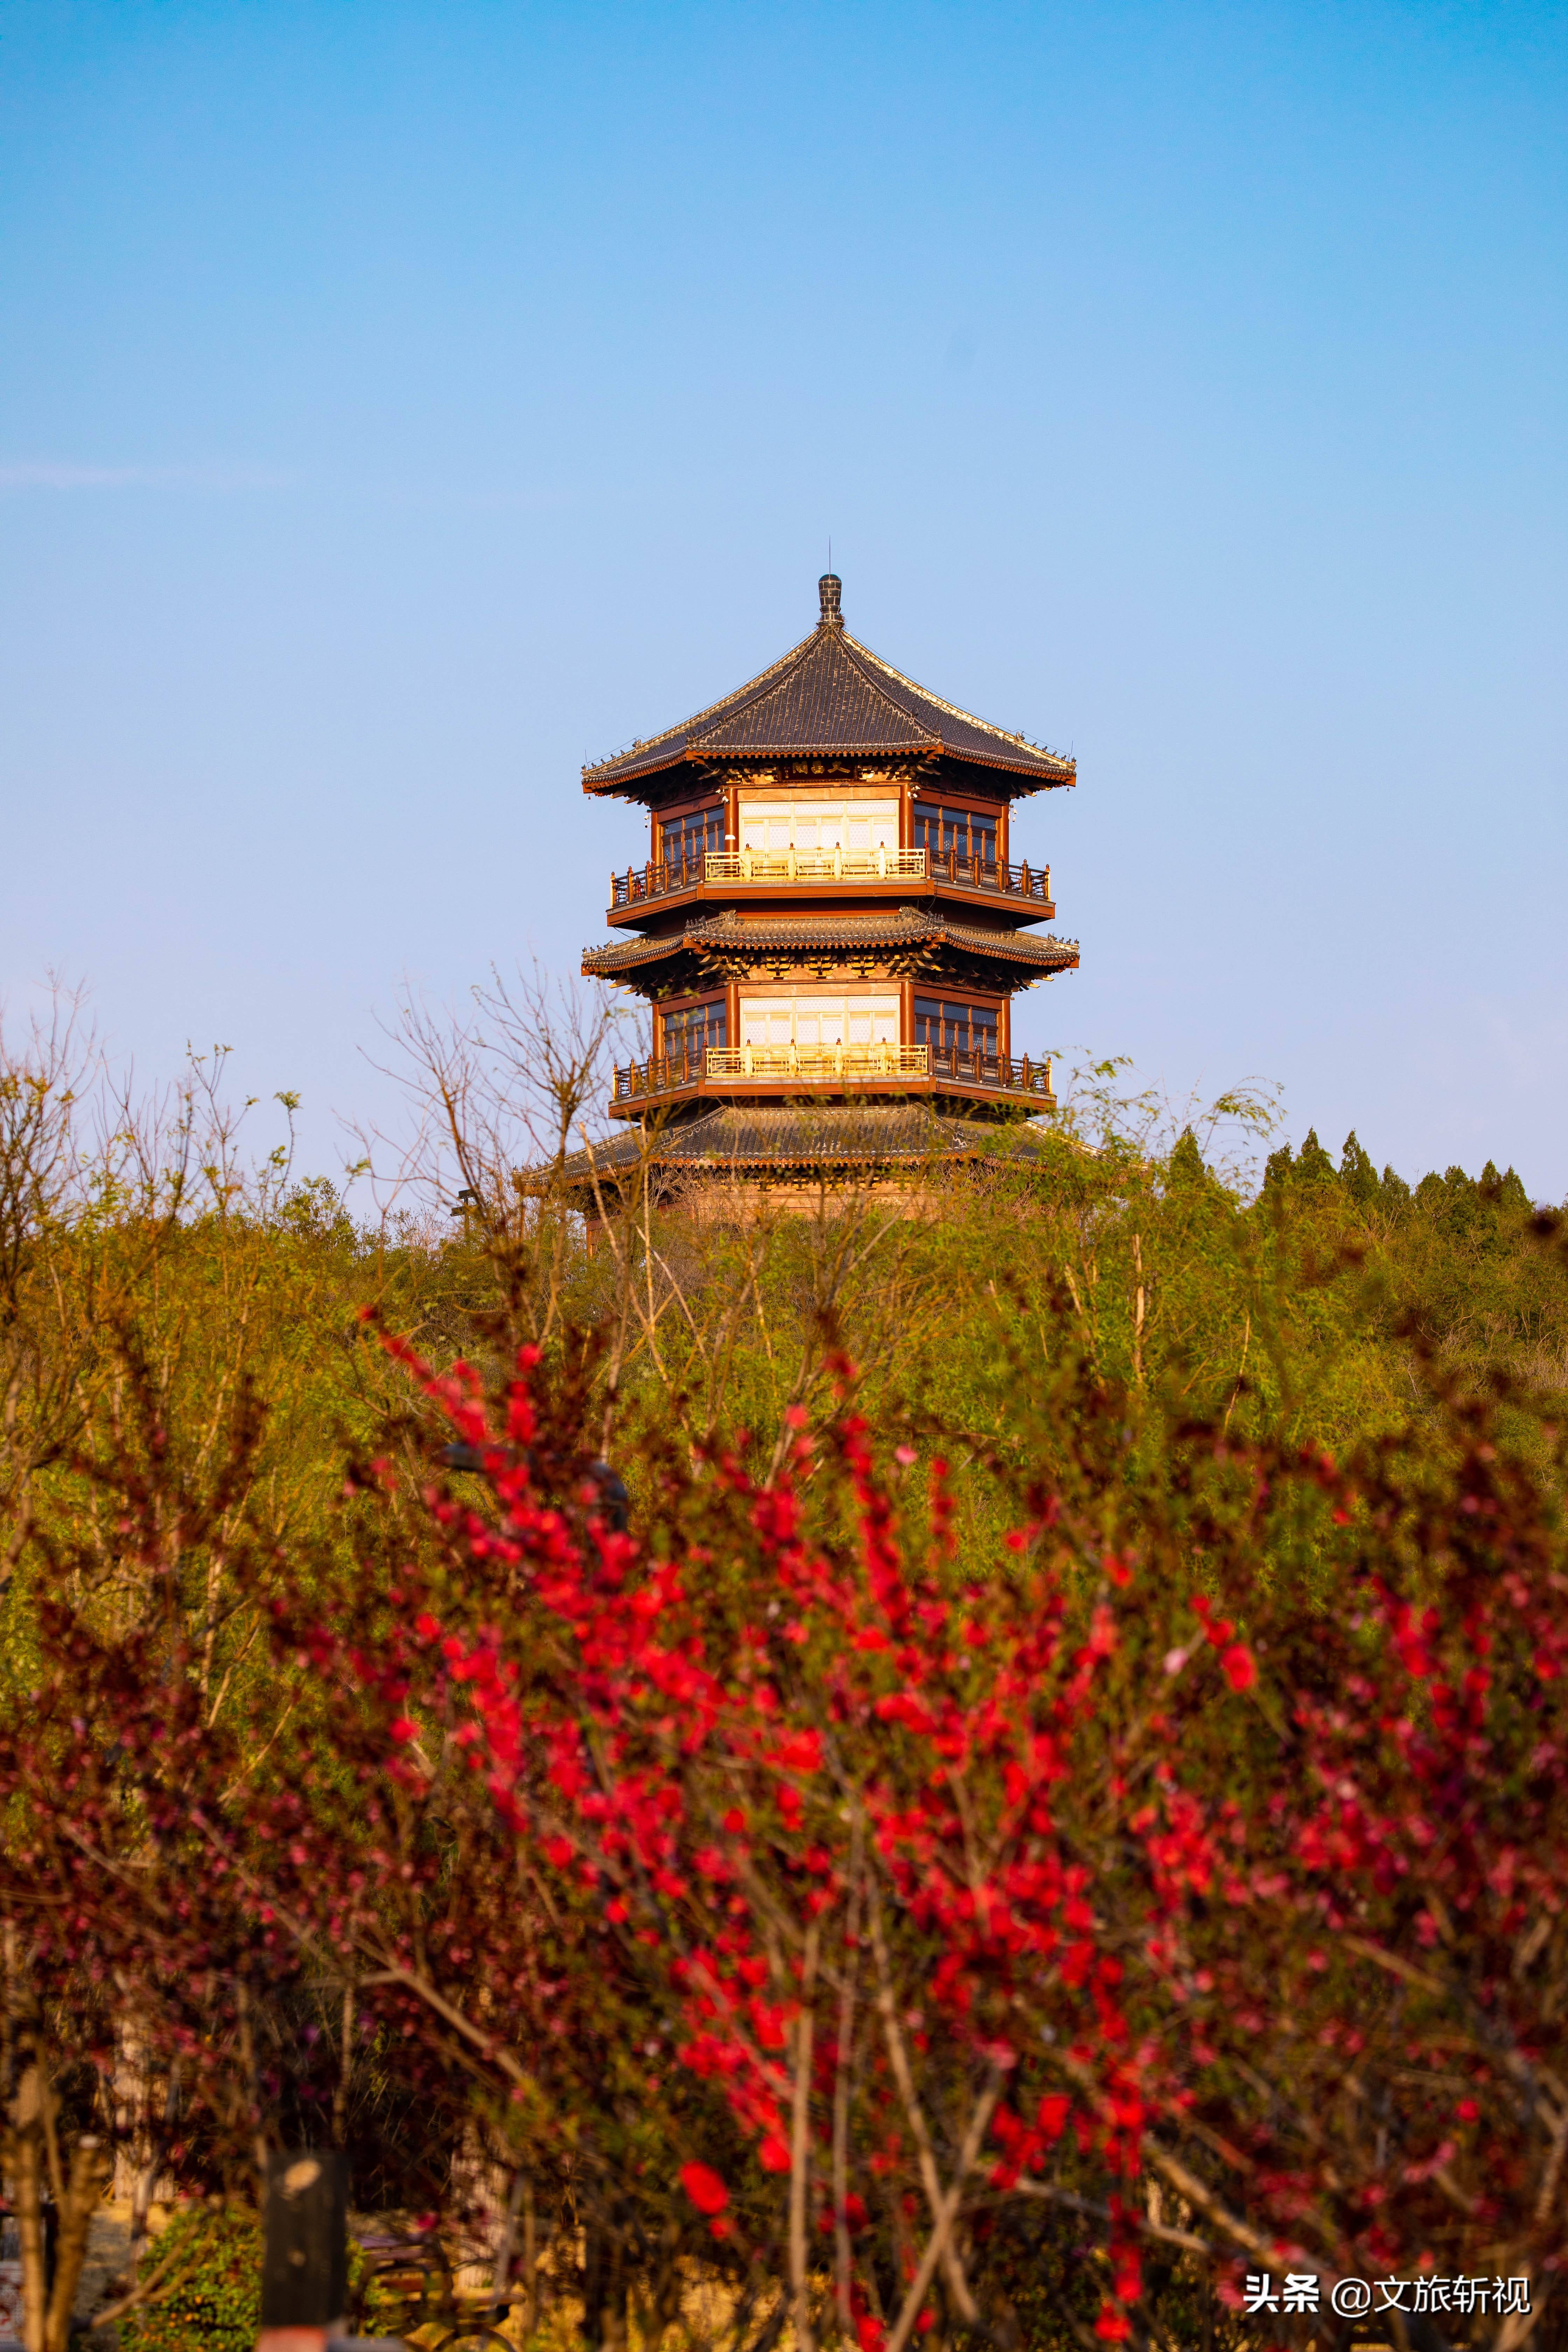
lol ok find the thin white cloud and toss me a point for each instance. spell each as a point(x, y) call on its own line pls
point(46, 474)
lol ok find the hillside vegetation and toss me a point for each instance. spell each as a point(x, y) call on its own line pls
point(713, 1889)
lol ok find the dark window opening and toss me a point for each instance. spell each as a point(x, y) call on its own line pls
point(689, 1034)
point(964, 834)
point(950, 1028)
point(685, 840)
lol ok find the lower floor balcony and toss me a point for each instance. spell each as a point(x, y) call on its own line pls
point(782, 1070)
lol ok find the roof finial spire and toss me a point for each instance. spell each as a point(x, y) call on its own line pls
point(830, 588)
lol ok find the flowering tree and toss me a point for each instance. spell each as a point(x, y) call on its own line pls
point(1045, 1945)
point(799, 1804)
point(1371, 1959)
point(1192, 1872)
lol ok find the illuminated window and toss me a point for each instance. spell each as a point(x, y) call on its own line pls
point(815, 828)
point(807, 1021)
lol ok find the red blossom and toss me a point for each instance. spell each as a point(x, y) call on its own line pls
point(704, 2188)
point(1240, 1666)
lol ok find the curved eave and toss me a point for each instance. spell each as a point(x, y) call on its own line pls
point(1048, 954)
point(697, 755)
point(615, 957)
point(623, 782)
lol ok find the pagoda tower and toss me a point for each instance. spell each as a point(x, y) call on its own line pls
point(829, 926)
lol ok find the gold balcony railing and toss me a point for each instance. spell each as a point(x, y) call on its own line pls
point(816, 865)
point(714, 869)
point(818, 1064)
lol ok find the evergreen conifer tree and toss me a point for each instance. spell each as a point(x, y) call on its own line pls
point(1393, 1194)
point(1463, 1197)
point(1465, 1203)
point(1186, 1164)
point(1504, 1192)
point(1357, 1173)
point(1314, 1166)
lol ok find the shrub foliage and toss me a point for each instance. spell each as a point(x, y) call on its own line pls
point(1052, 1802)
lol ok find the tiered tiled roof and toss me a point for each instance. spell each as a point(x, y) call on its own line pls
point(904, 1137)
point(830, 695)
point(733, 939)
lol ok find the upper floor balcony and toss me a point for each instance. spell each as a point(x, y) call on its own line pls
point(782, 1070)
point(772, 869)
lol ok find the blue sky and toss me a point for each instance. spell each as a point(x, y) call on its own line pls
point(399, 401)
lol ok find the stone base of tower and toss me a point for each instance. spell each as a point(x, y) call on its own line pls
point(749, 1160)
